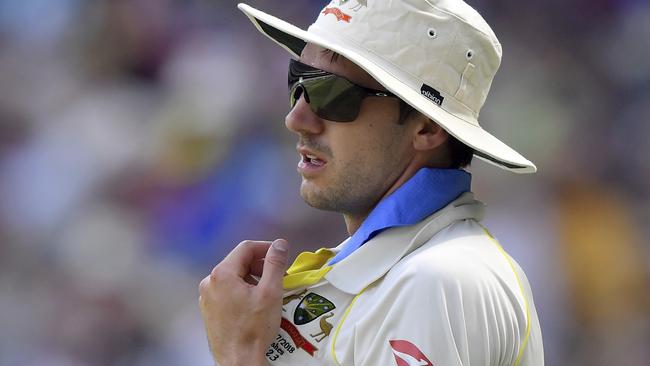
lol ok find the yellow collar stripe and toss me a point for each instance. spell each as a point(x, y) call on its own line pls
point(308, 269)
point(305, 278)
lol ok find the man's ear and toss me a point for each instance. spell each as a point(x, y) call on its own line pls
point(428, 135)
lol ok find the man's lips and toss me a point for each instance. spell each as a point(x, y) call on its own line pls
point(311, 157)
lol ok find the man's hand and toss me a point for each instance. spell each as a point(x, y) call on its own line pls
point(242, 316)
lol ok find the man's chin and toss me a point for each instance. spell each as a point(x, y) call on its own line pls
point(315, 197)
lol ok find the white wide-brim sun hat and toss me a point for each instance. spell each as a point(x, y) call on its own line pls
point(439, 56)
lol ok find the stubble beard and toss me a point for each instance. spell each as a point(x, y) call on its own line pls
point(356, 186)
point(340, 197)
point(353, 191)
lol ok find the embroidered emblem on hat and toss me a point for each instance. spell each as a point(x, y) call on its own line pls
point(311, 307)
point(340, 15)
point(432, 94)
point(407, 354)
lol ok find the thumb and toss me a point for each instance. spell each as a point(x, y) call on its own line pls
point(275, 265)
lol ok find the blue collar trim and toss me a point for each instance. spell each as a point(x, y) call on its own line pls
point(425, 193)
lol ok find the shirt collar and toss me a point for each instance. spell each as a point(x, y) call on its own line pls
point(371, 261)
point(426, 192)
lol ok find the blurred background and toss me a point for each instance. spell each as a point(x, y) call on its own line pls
point(140, 140)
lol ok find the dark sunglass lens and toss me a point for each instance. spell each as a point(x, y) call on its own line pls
point(334, 98)
point(294, 94)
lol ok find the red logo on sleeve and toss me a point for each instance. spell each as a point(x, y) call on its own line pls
point(407, 354)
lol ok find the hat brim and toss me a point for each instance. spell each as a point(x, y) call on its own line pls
point(486, 146)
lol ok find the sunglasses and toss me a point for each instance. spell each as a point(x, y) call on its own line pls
point(329, 96)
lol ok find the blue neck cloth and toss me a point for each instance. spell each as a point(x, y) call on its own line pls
point(425, 193)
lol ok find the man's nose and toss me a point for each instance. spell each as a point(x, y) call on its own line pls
point(302, 120)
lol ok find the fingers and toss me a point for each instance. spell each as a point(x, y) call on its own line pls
point(242, 316)
point(262, 259)
point(257, 267)
point(275, 265)
point(244, 257)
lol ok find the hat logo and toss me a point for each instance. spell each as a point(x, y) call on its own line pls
point(432, 94)
point(340, 15)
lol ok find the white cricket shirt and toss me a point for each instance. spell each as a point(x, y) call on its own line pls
point(440, 293)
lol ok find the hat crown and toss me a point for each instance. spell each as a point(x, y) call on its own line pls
point(442, 44)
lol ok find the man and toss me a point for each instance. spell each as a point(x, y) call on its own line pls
point(385, 98)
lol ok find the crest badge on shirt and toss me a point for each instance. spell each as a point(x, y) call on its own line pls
point(308, 318)
point(311, 307)
point(408, 354)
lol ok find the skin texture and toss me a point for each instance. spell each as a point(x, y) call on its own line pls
point(241, 318)
point(366, 160)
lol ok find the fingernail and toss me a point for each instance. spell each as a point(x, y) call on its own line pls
point(280, 244)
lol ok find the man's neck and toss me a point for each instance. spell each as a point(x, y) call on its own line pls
point(354, 221)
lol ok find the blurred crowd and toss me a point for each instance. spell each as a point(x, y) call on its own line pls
point(140, 140)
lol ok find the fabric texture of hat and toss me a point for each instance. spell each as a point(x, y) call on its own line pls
point(439, 56)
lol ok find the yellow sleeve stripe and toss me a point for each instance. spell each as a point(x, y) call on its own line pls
point(523, 294)
point(338, 327)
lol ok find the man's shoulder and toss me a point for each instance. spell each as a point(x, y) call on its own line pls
point(454, 292)
point(462, 253)
point(462, 267)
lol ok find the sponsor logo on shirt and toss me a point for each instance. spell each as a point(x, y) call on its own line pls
point(408, 354)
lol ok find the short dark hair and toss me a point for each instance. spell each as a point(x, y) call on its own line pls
point(460, 155)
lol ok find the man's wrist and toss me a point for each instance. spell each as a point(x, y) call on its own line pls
point(249, 356)
point(261, 361)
